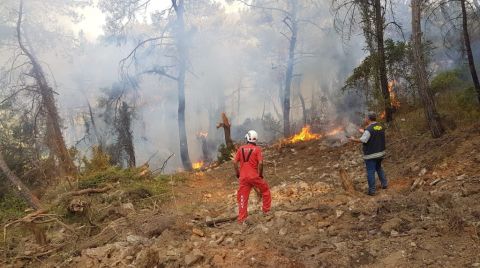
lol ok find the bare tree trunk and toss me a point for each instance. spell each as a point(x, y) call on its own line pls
point(225, 124)
point(205, 150)
point(98, 137)
point(421, 76)
point(54, 135)
point(468, 49)
point(125, 137)
point(293, 25)
point(304, 108)
point(18, 185)
point(182, 67)
point(367, 27)
point(382, 69)
point(368, 32)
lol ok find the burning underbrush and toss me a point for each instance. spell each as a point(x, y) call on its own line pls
point(198, 165)
point(334, 135)
point(316, 220)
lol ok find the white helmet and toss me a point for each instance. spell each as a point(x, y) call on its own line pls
point(251, 136)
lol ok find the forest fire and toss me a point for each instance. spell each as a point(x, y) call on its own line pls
point(198, 165)
point(393, 96)
point(307, 135)
point(304, 135)
point(335, 131)
point(394, 102)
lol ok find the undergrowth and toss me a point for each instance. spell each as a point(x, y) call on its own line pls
point(456, 108)
point(11, 207)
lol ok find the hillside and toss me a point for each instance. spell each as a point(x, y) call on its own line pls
point(321, 217)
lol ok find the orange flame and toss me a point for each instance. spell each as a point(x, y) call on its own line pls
point(382, 115)
point(304, 135)
point(393, 96)
point(394, 102)
point(197, 165)
point(335, 131)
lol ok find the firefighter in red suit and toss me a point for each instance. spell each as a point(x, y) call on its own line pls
point(248, 165)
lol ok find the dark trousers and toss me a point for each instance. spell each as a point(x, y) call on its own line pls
point(375, 165)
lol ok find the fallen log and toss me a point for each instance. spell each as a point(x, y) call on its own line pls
point(18, 186)
point(322, 208)
point(214, 222)
point(32, 222)
point(89, 191)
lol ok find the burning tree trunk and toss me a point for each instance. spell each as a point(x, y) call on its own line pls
point(225, 124)
point(468, 49)
point(182, 68)
point(18, 185)
point(382, 69)
point(421, 76)
point(292, 24)
point(55, 140)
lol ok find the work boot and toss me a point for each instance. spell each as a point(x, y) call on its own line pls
point(385, 187)
point(371, 193)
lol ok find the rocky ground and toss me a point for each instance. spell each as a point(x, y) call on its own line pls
point(321, 217)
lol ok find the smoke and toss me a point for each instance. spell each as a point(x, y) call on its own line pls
point(236, 64)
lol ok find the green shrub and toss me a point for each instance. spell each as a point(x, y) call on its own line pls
point(100, 160)
point(460, 105)
point(447, 80)
point(466, 98)
point(95, 179)
point(11, 207)
point(224, 153)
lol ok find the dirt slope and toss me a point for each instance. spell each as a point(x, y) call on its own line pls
point(430, 215)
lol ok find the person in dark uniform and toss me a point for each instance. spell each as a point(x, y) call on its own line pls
point(373, 142)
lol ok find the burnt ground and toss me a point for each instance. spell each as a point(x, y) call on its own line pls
point(429, 216)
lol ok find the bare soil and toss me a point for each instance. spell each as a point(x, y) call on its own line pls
point(429, 216)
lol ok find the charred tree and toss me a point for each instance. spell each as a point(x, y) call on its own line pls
point(225, 124)
point(124, 132)
point(18, 185)
point(421, 76)
point(381, 61)
point(468, 49)
point(181, 44)
point(54, 135)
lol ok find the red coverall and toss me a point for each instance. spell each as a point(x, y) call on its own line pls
point(249, 156)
